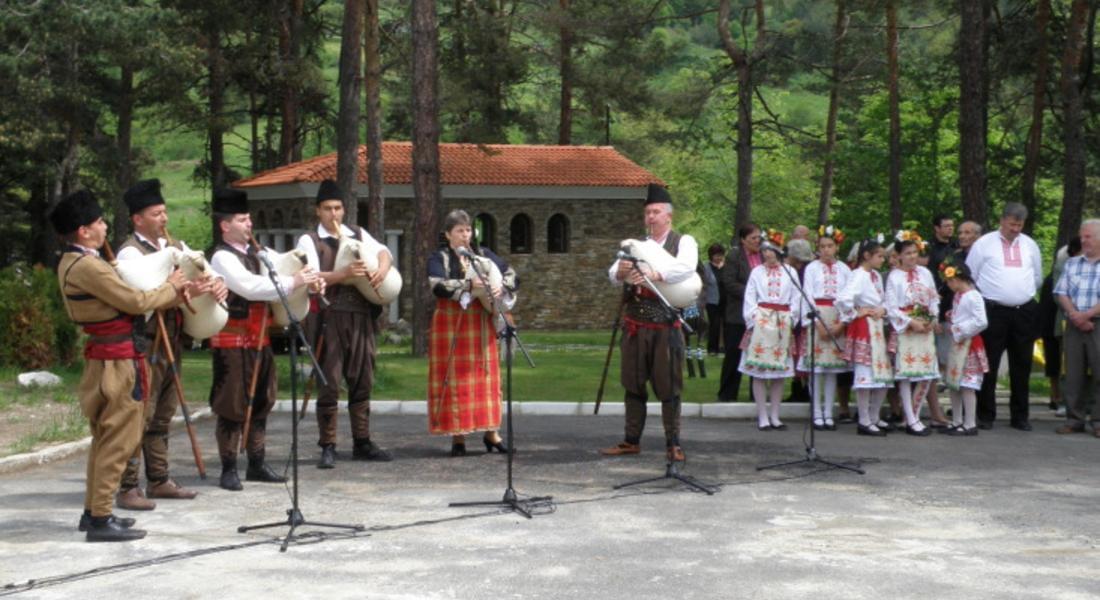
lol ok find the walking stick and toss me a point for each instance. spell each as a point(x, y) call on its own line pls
point(611, 348)
point(162, 334)
point(255, 380)
point(312, 377)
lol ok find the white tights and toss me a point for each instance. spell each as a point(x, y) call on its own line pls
point(770, 390)
point(870, 405)
point(824, 395)
point(963, 402)
point(912, 396)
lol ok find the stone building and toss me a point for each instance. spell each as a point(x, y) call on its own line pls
point(556, 213)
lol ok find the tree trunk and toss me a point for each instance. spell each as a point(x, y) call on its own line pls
point(124, 112)
point(565, 120)
point(290, 147)
point(372, 83)
point(425, 164)
point(215, 106)
point(972, 111)
point(1038, 107)
point(254, 131)
point(347, 120)
point(840, 29)
point(744, 62)
point(895, 113)
point(1073, 135)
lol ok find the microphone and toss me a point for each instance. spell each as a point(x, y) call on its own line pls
point(463, 251)
point(623, 255)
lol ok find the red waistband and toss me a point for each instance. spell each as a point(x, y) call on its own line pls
point(774, 306)
point(244, 333)
point(824, 302)
point(633, 325)
point(120, 333)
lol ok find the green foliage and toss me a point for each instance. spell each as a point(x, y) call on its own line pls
point(36, 331)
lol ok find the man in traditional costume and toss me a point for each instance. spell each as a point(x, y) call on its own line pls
point(115, 379)
point(243, 346)
point(652, 347)
point(149, 218)
point(347, 348)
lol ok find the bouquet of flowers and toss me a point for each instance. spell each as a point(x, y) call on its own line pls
point(920, 311)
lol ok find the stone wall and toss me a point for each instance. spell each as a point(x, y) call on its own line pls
point(557, 291)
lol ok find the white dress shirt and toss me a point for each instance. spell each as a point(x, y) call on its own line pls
point(305, 243)
point(687, 256)
point(129, 252)
point(244, 283)
point(1006, 273)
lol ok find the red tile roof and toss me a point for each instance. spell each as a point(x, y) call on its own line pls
point(480, 164)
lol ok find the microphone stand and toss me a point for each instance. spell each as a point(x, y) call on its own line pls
point(811, 456)
point(294, 518)
point(511, 500)
point(672, 468)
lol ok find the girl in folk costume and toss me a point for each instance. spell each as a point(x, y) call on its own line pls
point(861, 306)
point(967, 363)
point(822, 282)
point(463, 365)
point(769, 311)
point(913, 306)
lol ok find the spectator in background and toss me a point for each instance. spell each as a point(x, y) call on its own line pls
point(940, 248)
point(800, 232)
point(969, 232)
point(740, 262)
point(1052, 324)
point(1078, 293)
point(715, 297)
point(1008, 269)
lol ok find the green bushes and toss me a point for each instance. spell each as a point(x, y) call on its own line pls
point(35, 332)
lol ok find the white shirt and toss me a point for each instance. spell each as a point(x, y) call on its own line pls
point(687, 256)
point(908, 289)
point(244, 283)
point(771, 286)
point(130, 253)
point(1006, 273)
point(968, 316)
point(864, 290)
point(821, 281)
point(305, 244)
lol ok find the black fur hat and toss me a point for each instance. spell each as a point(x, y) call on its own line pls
point(329, 190)
point(229, 201)
point(78, 209)
point(657, 194)
point(142, 195)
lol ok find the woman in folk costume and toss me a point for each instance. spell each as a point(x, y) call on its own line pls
point(770, 309)
point(913, 306)
point(822, 282)
point(463, 364)
point(967, 362)
point(861, 306)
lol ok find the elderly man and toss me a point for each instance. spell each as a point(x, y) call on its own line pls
point(1078, 293)
point(1008, 270)
point(969, 232)
point(652, 347)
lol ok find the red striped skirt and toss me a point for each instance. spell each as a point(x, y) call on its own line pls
point(464, 385)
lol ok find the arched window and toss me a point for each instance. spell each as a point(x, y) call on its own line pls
point(557, 234)
point(261, 221)
point(485, 231)
point(522, 235)
point(296, 219)
point(277, 220)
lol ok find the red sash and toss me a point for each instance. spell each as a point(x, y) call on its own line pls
point(824, 302)
point(773, 306)
point(111, 340)
point(244, 333)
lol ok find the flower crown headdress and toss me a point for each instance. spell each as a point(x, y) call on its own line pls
point(831, 231)
point(911, 235)
point(776, 237)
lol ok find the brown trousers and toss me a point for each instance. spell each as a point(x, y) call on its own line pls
point(347, 355)
point(229, 399)
point(653, 356)
point(158, 419)
point(106, 393)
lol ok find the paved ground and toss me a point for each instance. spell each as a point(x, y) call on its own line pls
point(1006, 514)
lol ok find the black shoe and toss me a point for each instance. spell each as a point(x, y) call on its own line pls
point(458, 449)
point(886, 426)
point(919, 433)
point(368, 450)
point(866, 430)
point(86, 520)
point(1022, 425)
point(328, 457)
point(260, 471)
point(830, 425)
point(767, 427)
point(780, 427)
point(110, 529)
point(969, 432)
point(987, 425)
point(230, 480)
point(498, 445)
point(819, 426)
point(845, 419)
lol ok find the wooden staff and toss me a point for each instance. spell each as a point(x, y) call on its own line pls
point(166, 345)
point(312, 377)
point(611, 347)
point(256, 366)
